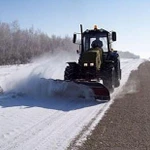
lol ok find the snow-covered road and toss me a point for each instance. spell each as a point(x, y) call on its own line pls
point(33, 117)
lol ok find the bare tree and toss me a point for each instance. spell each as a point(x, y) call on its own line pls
point(21, 45)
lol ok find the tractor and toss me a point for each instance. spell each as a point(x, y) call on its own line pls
point(98, 65)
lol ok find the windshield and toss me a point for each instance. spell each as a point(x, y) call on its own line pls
point(88, 40)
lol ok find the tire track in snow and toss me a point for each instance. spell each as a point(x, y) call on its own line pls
point(53, 138)
point(34, 130)
point(24, 136)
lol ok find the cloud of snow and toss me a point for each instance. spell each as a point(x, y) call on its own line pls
point(129, 88)
point(44, 78)
point(132, 88)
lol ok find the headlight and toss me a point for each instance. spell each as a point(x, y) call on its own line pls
point(91, 64)
point(85, 64)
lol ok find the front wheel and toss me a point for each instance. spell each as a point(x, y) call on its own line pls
point(70, 73)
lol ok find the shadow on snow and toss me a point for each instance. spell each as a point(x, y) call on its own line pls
point(57, 103)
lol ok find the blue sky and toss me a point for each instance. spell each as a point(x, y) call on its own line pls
point(129, 18)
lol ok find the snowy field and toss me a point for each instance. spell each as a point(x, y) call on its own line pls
point(40, 114)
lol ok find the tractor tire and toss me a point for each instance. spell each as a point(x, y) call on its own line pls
point(70, 73)
point(117, 74)
point(110, 81)
point(117, 82)
point(108, 84)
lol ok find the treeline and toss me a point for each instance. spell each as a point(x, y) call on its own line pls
point(19, 46)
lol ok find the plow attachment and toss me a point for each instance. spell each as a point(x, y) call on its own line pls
point(100, 91)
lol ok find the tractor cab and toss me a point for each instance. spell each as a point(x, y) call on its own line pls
point(95, 38)
point(88, 37)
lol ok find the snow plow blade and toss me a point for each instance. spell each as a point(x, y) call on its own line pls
point(100, 91)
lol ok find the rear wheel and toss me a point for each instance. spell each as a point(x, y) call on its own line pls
point(117, 74)
point(117, 82)
point(109, 82)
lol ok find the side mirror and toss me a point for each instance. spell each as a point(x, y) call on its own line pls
point(74, 38)
point(114, 36)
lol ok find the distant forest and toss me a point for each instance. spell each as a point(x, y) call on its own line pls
point(19, 46)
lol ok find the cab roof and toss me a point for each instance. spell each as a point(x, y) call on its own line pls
point(95, 31)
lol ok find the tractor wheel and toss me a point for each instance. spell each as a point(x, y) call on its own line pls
point(108, 85)
point(117, 74)
point(117, 82)
point(70, 73)
point(110, 81)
